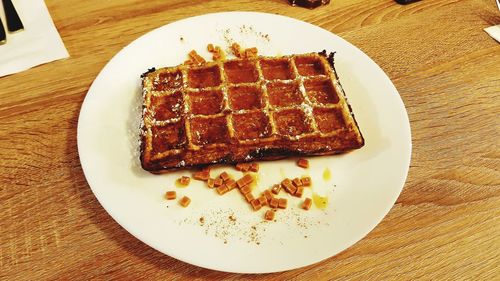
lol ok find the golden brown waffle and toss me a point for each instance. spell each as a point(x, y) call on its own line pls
point(244, 110)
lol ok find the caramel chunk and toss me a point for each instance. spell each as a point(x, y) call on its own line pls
point(202, 175)
point(282, 203)
point(211, 183)
point(274, 203)
point(218, 54)
point(222, 189)
point(306, 181)
point(236, 49)
point(170, 195)
point(250, 53)
point(242, 167)
point(288, 185)
point(241, 53)
point(269, 215)
point(249, 197)
point(231, 184)
point(185, 201)
point(256, 204)
point(184, 180)
point(306, 205)
point(245, 180)
point(276, 188)
point(303, 163)
point(195, 58)
point(245, 189)
point(218, 182)
point(268, 195)
point(286, 182)
point(299, 191)
point(254, 167)
point(297, 182)
point(263, 200)
point(224, 176)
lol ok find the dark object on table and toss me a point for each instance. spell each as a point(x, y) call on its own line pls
point(311, 4)
point(404, 2)
point(14, 23)
point(3, 36)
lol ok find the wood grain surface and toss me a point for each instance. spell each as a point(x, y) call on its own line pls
point(444, 226)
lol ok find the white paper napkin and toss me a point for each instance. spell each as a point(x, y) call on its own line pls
point(38, 43)
point(494, 31)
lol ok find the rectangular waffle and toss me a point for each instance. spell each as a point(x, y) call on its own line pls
point(244, 110)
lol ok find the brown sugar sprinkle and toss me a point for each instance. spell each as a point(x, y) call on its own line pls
point(299, 192)
point(222, 189)
point(225, 176)
point(245, 180)
point(306, 205)
point(262, 200)
point(245, 189)
point(231, 184)
point(288, 185)
point(211, 183)
point(242, 167)
point(306, 181)
point(282, 203)
point(254, 167)
point(170, 195)
point(184, 180)
point(185, 201)
point(218, 182)
point(303, 163)
point(274, 203)
point(297, 182)
point(202, 175)
point(256, 204)
point(249, 197)
point(269, 215)
point(276, 188)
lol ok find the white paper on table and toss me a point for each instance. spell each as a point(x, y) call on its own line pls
point(38, 43)
point(494, 31)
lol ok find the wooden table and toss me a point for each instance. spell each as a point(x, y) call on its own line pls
point(444, 226)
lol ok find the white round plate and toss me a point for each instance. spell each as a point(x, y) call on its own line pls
point(222, 232)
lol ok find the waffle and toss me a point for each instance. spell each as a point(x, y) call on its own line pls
point(243, 110)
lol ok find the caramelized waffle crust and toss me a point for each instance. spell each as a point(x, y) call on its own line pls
point(244, 110)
